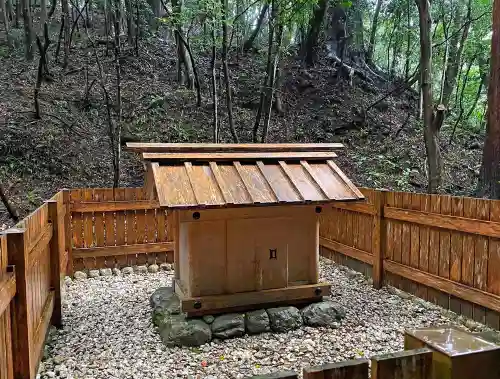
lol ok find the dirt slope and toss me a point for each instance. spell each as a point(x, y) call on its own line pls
point(69, 146)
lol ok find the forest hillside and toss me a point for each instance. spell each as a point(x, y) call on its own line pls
point(79, 80)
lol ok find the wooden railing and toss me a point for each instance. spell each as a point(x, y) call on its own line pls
point(116, 228)
point(441, 248)
point(7, 293)
point(32, 257)
point(409, 364)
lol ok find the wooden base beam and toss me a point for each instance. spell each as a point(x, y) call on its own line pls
point(243, 301)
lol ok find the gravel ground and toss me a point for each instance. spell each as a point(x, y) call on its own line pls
point(108, 332)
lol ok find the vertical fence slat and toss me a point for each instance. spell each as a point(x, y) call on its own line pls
point(468, 254)
point(67, 231)
point(378, 239)
point(131, 228)
point(120, 235)
point(6, 359)
point(109, 224)
point(18, 256)
point(457, 209)
point(481, 259)
point(444, 251)
point(88, 229)
point(354, 369)
point(434, 245)
point(55, 262)
point(151, 225)
point(161, 234)
point(77, 228)
point(493, 280)
point(409, 364)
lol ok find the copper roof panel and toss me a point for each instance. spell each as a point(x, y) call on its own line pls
point(279, 182)
point(222, 184)
point(309, 190)
point(257, 186)
point(233, 187)
point(173, 186)
point(213, 175)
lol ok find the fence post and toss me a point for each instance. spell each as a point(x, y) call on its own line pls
point(378, 238)
point(56, 251)
point(22, 334)
point(67, 232)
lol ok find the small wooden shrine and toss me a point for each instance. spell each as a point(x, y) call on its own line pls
point(246, 219)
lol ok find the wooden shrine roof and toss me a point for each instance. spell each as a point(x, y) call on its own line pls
point(190, 177)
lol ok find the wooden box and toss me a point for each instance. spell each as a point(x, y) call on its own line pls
point(457, 354)
point(271, 252)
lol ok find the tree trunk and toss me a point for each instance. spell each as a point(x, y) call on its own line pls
point(5, 19)
point(117, 126)
point(88, 15)
point(10, 209)
point(489, 182)
point(373, 33)
point(183, 61)
point(461, 99)
point(65, 11)
point(8, 5)
point(315, 28)
point(270, 90)
point(482, 84)
point(130, 22)
point(43, 13)
point(250, 41)
point(53, 6)
point(455, 53)
point(227, 78)
point(18, 13)
point(408, 41)
point(214, 87)
point(356, 33)
point(265, 85)
point(28, 30)
point(431, 128)
point(107, 27)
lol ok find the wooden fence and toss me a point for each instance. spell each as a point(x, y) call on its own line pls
point(409, 364)
point(32, 257)
point(116, 228)
point(441, 248)
point(7, 292)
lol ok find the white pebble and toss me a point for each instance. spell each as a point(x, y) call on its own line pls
point(153, 268)
point(108, 332)
point(80, 275)
point(93, 273)
point(106, 272)
point(166, 267)
point(127, 270)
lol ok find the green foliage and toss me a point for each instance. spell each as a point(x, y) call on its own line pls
point(399, 24)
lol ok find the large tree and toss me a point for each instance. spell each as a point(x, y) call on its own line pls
point(490, 172)
point(432, 121)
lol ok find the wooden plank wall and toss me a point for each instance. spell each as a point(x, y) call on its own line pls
point(409, 364)
point(7, 293)
point(441, 248)
point(39, 296)
point(348, 234)
point(116, 228)
point(34, 250)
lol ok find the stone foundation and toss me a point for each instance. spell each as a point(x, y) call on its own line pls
point(176, 329)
